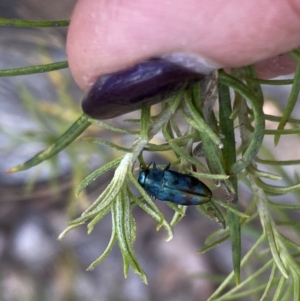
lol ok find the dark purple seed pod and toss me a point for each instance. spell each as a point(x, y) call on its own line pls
point(131, 89)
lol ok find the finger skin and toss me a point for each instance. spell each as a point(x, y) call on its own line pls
point(275, 66)
point(109, 35)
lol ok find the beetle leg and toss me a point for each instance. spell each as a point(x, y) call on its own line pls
point(168, 166)
point(151, 163)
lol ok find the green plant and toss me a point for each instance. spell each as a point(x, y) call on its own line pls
point(184, 121)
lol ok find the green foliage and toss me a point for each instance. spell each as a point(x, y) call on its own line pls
point(270, 269)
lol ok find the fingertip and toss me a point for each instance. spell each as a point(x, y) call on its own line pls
point(276, 66)
point(107, 36)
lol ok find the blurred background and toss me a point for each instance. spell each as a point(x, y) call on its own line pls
point(36, 204)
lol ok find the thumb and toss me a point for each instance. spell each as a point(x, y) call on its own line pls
point(106, 36)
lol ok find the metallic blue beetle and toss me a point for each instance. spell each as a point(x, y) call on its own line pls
point(172, 186)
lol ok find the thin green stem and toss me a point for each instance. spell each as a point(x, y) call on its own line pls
point(34, 69)
point(33, 23)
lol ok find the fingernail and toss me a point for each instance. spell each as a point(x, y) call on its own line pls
point(193, 62)
point(144, 84)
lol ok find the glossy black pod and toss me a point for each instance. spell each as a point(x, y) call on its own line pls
point(144, 84)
